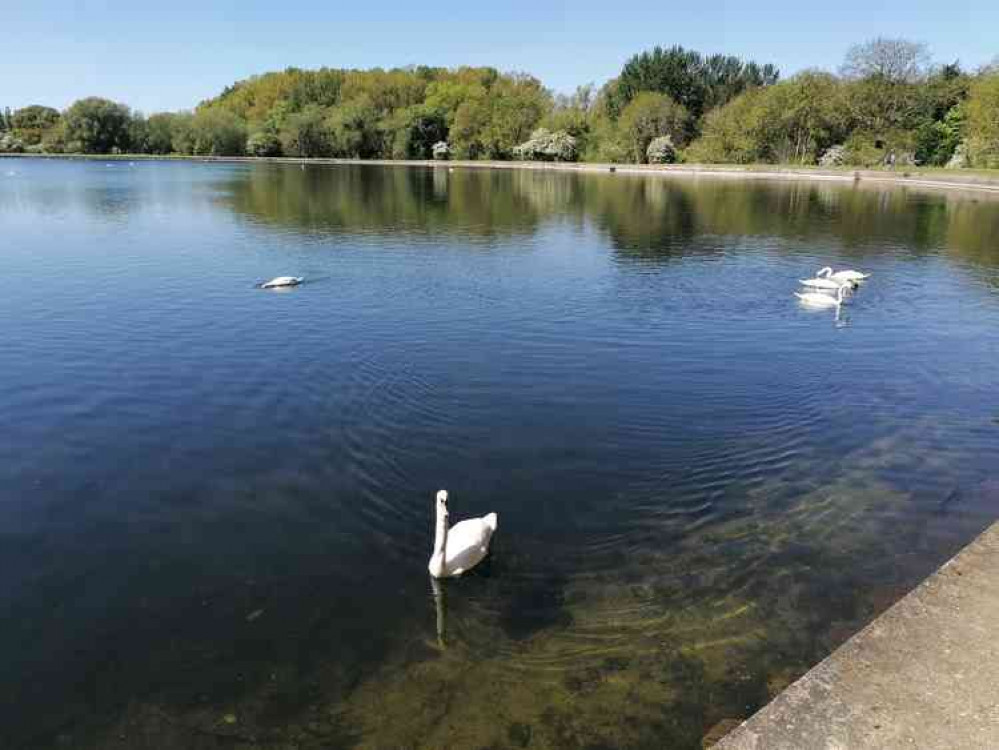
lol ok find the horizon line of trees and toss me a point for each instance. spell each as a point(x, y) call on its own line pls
point(888, 103)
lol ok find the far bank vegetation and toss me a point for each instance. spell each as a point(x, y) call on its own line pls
point(888, 104)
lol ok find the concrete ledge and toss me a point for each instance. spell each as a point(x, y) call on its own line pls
point(922, 676)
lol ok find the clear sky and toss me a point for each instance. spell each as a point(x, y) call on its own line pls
point(171, 55)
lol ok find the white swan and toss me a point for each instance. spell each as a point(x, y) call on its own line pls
point(825, 283)
point(460, 548)
point(817, 299)
point(847, 275)
point(281, 281)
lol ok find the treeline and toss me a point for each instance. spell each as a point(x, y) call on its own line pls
point(887, 104)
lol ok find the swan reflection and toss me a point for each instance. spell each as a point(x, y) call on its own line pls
point(439, 605)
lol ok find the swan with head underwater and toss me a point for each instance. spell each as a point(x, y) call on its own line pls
point(461, 547)
point(282, 281)
point(818, 299)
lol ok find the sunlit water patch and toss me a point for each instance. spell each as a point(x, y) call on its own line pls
point(216, 501)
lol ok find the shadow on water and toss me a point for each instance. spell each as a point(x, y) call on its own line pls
point(702, 490)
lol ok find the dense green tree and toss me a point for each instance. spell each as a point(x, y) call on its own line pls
point(56, 141)
point(648, 116)
point(183, 139)
point(878, 105)
point(944, 89)
point(217, 132)
point(305, 133)
point(263, 143)
point(413, 131)
point(138, 134)
point(794, 121)
point(35, 116)
point(736, 133)
point(29, 124)
point(353, 130)
point(468, 128)
point(932, 144)
point(573, 114)
point(937, 140)
point(516, 105)
point(687, 77)
point(804, 116)
point(159, 133)
point(869, 149)
point(383, 90)
point(448, 94)
point(276, 118)
point(983, 121)
point(322, 87)
point(98, 126)
point(254, 98)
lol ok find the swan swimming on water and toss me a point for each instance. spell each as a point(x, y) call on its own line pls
point(848, 275)
point(817, 299)
point(460, 548)
point(281, 281)
point(826, 283)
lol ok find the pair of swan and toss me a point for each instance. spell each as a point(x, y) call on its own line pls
point(841, 282)
point(282, 281)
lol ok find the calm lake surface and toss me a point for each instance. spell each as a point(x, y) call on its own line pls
point(216, 501)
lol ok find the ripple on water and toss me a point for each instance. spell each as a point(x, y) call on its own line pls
point(700, 486)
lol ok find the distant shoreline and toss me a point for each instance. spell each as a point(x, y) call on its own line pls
point(978, 180)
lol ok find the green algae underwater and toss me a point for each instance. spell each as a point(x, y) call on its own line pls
point(702, 488)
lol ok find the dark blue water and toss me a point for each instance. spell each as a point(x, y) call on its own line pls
point(216, 501)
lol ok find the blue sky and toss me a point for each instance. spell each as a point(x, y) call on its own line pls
point(170, 55)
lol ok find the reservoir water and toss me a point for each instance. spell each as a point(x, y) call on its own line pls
point(216, 502)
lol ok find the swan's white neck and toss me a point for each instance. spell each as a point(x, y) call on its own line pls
point(440, 537)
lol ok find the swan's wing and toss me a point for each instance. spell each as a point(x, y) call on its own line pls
point(467, 544)
point(813, 298)
point(473, 532)
point(850, 275)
